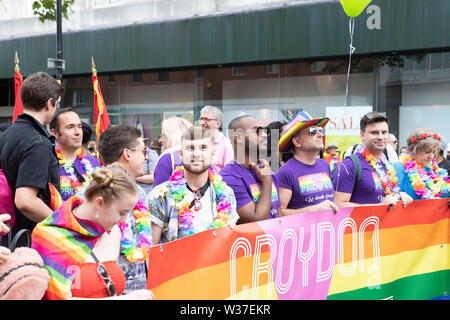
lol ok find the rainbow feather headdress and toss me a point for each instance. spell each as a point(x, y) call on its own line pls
point(301, 120)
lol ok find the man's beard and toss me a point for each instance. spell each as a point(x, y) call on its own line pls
point(197, 170)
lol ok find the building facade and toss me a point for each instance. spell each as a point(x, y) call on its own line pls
point(165, 58)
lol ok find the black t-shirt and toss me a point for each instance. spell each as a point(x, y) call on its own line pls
point(445, 164)
point(28, 159)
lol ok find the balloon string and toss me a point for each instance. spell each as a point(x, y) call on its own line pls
point(351, 26)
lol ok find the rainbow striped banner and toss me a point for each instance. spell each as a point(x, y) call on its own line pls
point(359, 253)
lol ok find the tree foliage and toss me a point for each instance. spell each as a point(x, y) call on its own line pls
point(46, 9)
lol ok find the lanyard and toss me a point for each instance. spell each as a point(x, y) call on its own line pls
point(198, 194)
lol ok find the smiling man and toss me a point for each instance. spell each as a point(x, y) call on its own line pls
point(194, 199)
point(75, 167)
point(373, 181)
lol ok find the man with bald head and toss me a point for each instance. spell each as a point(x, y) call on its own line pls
point(249, 175)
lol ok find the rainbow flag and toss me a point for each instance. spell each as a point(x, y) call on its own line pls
point(358, 253)
point(55, 197)
point(64, 243)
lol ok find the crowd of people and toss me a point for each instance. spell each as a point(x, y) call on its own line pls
point(93, 225)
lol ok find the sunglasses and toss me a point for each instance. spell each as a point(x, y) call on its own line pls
point(145, 150)
point(103, 273)
point(313, 130)
point(372, 115)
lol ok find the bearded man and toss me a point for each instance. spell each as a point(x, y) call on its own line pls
point(195, 198)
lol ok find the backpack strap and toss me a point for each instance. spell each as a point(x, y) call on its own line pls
point(357, 169)
point(15, 239)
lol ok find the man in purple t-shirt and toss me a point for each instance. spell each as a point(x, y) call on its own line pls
point(255, 187)
point(370, 191)
point(305, 183)
point(75, 167)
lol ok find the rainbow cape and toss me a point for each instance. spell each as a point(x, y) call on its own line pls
point(64, 243)
point(358, 253)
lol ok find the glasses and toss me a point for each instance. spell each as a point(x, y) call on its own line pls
point(372, 115)
point(206, 119)
point(313, 130)
point(145, 150)
point(103, 273)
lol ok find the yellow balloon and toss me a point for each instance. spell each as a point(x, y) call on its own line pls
point(353, 8)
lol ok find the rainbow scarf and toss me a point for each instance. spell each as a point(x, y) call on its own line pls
point(64, 243)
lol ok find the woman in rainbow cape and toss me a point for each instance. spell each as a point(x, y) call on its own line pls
point(68, 238)
point(417, 172)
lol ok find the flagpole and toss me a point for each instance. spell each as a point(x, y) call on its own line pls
point(59, 49)
point(17, 61)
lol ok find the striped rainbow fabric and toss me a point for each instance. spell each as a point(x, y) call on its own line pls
point(359, 253)
point(55, 197)
point(301, 119)
point(64, 243)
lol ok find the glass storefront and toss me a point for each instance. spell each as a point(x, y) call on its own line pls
point(413, 89)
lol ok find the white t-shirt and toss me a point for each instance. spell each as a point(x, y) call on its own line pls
point(206, 215)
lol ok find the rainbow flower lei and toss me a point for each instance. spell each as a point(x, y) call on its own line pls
point(68, 167)
point(186, 215)
point(428, 182)
point(137, 250)
point(388, 180)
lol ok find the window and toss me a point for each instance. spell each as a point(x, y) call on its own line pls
point(318, 66)
point(199, 74)
point(79, 97)
point(163, 76)
point(273, 68)
point(136, 78)
point(111, 79)
point(239, 71)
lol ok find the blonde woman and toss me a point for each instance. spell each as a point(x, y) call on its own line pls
point(172, 131)
point(80, 241)
point(417, 172)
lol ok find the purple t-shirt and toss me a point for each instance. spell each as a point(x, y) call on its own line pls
point(310, 184)
point(164, 167)
point(69, 178)
point(247, 187)
point(369, 189)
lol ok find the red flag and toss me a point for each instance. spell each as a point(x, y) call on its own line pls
point(18, 107)
point(100, 113)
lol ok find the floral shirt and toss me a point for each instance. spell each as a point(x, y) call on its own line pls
point(70, 183)
point(164, 212)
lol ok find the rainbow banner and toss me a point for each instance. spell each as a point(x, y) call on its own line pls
point(359, 253)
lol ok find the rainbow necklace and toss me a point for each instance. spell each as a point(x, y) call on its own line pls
point(388, 179)
point(428, 182)
point(137, 247)
point(69, 168)
point(185, 214)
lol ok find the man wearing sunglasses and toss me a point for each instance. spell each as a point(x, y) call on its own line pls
point(27, 154)
point(249, 175)
point(305, 180)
